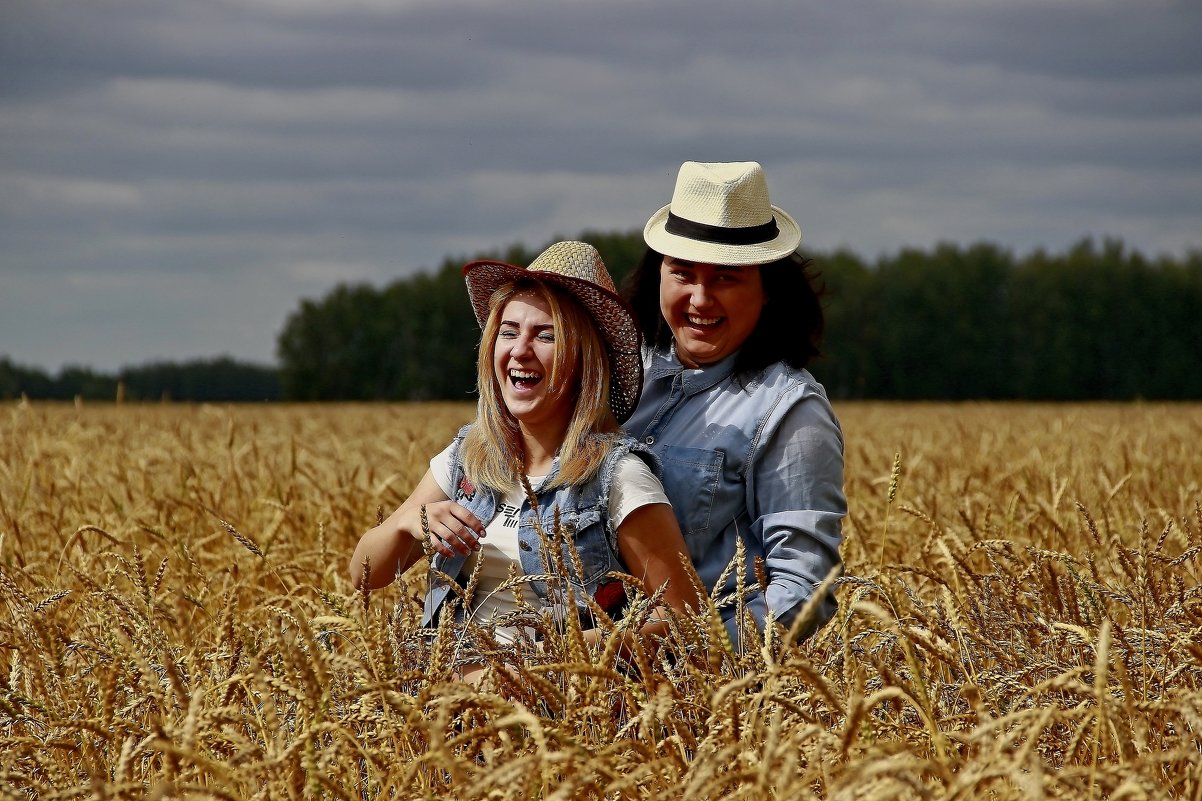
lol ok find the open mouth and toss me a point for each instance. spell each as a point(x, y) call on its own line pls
point(524, 379)
point(703, 322)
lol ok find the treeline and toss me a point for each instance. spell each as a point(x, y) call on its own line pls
point(1098, 322)
point(220, 379)
point(414, 339)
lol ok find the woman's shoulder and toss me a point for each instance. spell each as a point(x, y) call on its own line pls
point(455, 449)
point(781, 377)
point(610, 440)
point(622, 447)
point(781, 392)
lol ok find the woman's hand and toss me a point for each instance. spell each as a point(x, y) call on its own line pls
point(392, 547)
point(449, 528)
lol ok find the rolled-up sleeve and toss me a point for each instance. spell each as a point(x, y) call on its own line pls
point(797, 504)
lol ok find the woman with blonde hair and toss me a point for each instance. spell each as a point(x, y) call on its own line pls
point(559, 369)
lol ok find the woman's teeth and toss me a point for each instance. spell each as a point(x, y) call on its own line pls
point(524, 378)
point(695, 320)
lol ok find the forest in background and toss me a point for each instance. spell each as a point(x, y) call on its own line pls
point(957, 322)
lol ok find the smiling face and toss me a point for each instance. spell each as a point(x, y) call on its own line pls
point(523, 360)
point(711, 308)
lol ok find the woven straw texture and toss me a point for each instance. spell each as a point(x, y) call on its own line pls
point(576, 267)
point(725, 195)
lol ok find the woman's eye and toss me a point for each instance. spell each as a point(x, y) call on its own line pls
point(507, 333)
point(546, 336)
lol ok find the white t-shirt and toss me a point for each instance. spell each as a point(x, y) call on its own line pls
point(634, 485)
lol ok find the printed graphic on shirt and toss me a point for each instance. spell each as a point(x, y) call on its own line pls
point(510, 515)
point(467, 489)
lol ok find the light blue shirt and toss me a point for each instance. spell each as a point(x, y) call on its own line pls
point(762, 460)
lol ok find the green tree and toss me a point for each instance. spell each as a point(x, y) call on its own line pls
point(943, 323)
point(954, 323)
point(847, 366)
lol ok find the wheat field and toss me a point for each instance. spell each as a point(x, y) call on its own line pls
point(1020, 617)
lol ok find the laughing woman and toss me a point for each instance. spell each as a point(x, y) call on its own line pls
point(749, 444)
point(558, 370)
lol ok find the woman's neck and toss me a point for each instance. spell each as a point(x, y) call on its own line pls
point(540, 449)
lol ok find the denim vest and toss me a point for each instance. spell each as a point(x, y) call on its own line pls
point(583, 509)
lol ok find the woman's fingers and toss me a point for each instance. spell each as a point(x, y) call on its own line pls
point(469, 521)
point(456, 535)
point(453, 529)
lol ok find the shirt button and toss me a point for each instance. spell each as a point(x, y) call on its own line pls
point(649, 440)
point(525, 546)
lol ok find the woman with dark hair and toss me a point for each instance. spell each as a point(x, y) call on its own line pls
point(748, 442)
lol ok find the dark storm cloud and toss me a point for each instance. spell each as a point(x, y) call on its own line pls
point(176, 174)
point(53, 47)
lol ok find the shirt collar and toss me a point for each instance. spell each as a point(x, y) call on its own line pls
point(664, 364)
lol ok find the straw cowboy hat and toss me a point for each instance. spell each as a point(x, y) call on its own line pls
point(720, 214)
point(577, 268)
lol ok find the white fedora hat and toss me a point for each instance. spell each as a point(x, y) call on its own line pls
point(720, 214)
point(577, 268)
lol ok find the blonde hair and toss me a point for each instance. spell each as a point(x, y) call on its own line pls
point(493, 452)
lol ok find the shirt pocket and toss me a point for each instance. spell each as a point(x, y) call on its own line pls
point(690, 478)
point(591, 545)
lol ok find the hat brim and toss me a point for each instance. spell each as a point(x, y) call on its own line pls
point(660, 240)
point(612, 316)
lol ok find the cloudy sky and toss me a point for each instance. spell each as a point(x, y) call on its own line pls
point(176, 175)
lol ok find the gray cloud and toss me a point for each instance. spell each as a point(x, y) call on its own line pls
point(176, 175)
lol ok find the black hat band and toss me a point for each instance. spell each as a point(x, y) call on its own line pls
point(750, 235)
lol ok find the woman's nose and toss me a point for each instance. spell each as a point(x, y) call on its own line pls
point(700, 296)
point(520, 347)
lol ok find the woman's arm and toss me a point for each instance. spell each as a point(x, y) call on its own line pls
point(392, 547)
point(651, 545)
point(797, 505)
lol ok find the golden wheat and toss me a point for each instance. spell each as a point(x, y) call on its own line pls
point(1020, 617)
